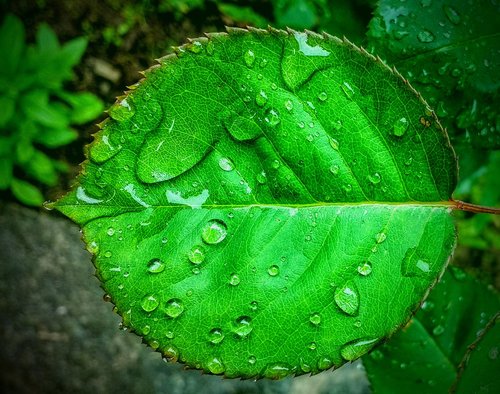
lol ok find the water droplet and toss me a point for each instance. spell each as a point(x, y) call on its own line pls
point(347, 298)
point(374, 178)
point(171, 354)
point(254, 305)
point(310, 138)
point(170, 334)
point(155, 266)
point(451, 14)
point(261, 98)
point(315, 319)
point(334, 169)
point(226, 164)
point(145, 330)
point(347, 188)
point(273, 270)
point(425, 36)
point(272, 117)
point(249, 58)
point(400, 126)
point(322, 96)
point(215, 336)
point(261, 177)
point(277, 371)
point(263, 63)
point(215, 366)
point(174, 308)
point(353, 350)
point(210, 48)
point(234, 279)
point(149, 303)
point(413, 265)
point(380, 237)
point(195, 271)
point(301, 125)
point(324, 363)
point(438, 330)
point(252, 360)
point(365, 268)
point(195, 47)
point(108, 254)
point(348, 90)
point(196, 254)
point(214, 232)
point(121, 111)
point(243, 326)
point(111, 231)
point(377, 355)
point(357, 323)
point(275, 164)
point(493, 353)
point(288, 105)
point(312, 346)
point(334, 143)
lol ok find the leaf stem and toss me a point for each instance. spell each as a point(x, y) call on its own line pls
point(465, 206)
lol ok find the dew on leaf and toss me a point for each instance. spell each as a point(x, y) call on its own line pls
point(249, 58)
point(214, 232)
point(452, 15)
point(234, 279)
point(170, 334)
point(226, 164)
point(400, 126)
point(275, 164)
point(347, 298)
point(305, 367)
point(334, 169)
point(195, 47)
point(155, 266)
point(374, 178)
point(337, 125)
point(108, 254)
point(323, 96)
point(273, 270)
point(272, 117)
point(122, 111)
point(315, 319)
point(252, 360)
point(261, 98)
point(146, 330)
point(215, 336)
point(276, 371)
point(348, 90)
point(356, 349)
point(413, 265)
point(334, 143)
point(425, 36)
point(261, 177)
point(288, 105)
point(174, 308)
point(324, 363)
point(215, 366)
point(380, 237)
point(254, 305)
point(365, 268)
point(111, 231)
point(149, 303)
point(312, 346)
point(438, 330)
point(243, 326)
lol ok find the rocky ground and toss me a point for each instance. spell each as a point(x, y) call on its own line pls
point(59, 336)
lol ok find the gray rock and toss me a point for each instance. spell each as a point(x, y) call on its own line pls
point(58, 335)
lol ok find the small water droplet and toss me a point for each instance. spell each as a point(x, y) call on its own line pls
point(254, 305)
point(380, 237)
point(312, 346)
point(234, 279)
point(365, 268)
point(275, 164)
point(324, 363)
point(195, 47)
point(277, 371)
point(196, 271)
point(337, 125)
point(252, 360)
point(272, 117)
point(493, 353)
point(334, 143)
point(108, 254)
point(323, 96)
point(413, 265)
point(452, 15)
point(348, 90)
point(438, 330)
point(261, 177)
point(249, 58)
point(347, 298)
point(226, 164)
point(315, 319)
point(301, 125)
point(171, 353)
point(243, 326)
point(215, 336)
point(170, 334)
point(215, 366)
point(347, 188)
point(400, 126)
point(288, 105)
point(357, 323)
point(273, 270)
point(263, 63)
point(196, 254)
point(374, 178)
point(149, 303)
point(310, 138)
point(155, 266)
point(174, 308)
point(425, 36)
point(146, 330)
point(334, 169)
point(353, 350)
point(111, 231)
point(214, 232)
point(261, 98)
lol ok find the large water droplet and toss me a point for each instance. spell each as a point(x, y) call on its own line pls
point(365, 268)
point(315, 319)
point(234, 279)
point(413, 265)
point(171, 353)
point(174, 308)
point(214, 232)
point(324, 363)
point(243, 326)
point(272, 117)
point(261, 98)
point(347, 298)
point(155, 266)
point(249, 58)
point(451, 14)
point(277, 371)
point(226, 164)
point(149, 303)
point(122, 111)
point(196, 254)
point(400, 126)
point(215, 366)
point(425, 36)
point(353, 350)
point(215, 336)
point(374, 178)
point(273, 270)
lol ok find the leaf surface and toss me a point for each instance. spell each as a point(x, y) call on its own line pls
point(267, 203)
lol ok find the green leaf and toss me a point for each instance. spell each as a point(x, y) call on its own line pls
point(243, 14)
point(478, 371)
point(267, 203)
point(298, 14)
point(425, 356)
point(8, 105)
point(54, 138)
point(449, 52)
point(72, 51)
point(5, 172)
point(41, 168)
point(86, 106)
point(46, 40)
point(26, 193)
point(37, 107)
point(11, 44)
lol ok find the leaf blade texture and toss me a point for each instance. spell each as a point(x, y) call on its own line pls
point(254, 203)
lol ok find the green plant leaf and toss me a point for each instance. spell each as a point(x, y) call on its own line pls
point(267, 203)
point(41, 168)
point(6, 167)
point(243, 14)
point(37, 107)
point(26, 193)
point(425, 356)
point(54, 138)
point(85, 105)
point(449, 51)
point(8, 105)
point(46, 40)
point(12, 43)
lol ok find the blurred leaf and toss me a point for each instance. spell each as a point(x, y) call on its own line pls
point(24, 150)
point(72, 51)
point(297, 14)
point(85, 106)
point(26, 193)
point(7, 106)
point(54, 138)
point(41, 168)
point(37, 107)
point(6, 167)
point(478, 371)
point(11, 44)
point(449, 51)
point(46, 39)
point(425, 355)
point(244, 15)
point(6, 145)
